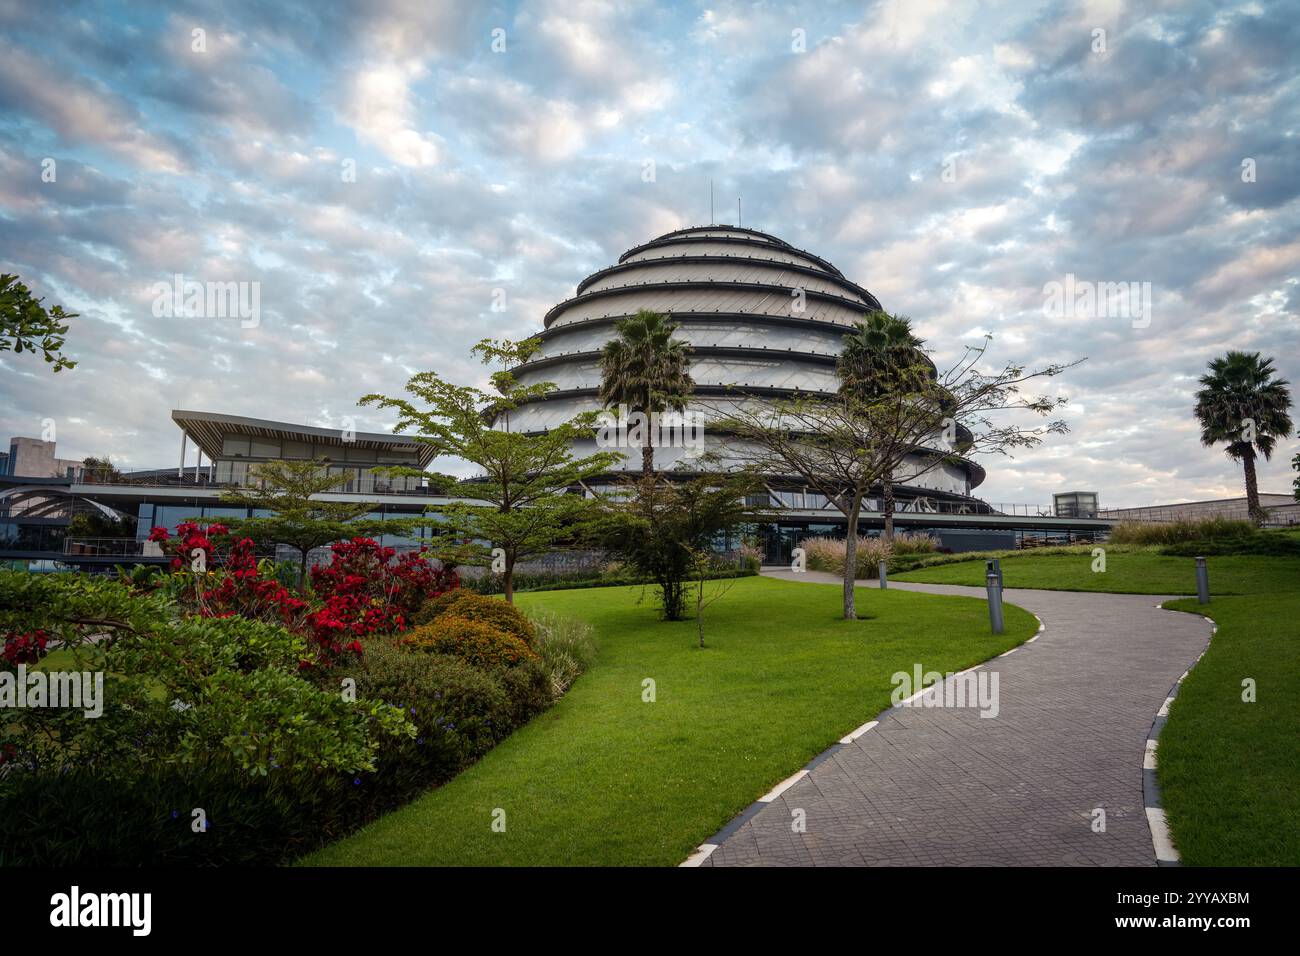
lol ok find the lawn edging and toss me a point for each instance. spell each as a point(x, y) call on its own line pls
point(1162, 841)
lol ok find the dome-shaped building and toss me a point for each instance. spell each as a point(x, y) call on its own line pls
point(763, 319)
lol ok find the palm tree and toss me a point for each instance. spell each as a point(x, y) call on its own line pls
point(881, 356)
point(1242, 403)
point(647, 370)
point(1295, 466)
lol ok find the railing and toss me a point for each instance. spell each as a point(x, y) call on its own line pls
point(355, 486)
point(131, 548)
point(939, 507)
point(112, 547)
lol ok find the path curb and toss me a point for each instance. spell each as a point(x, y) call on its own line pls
point(1161, 839)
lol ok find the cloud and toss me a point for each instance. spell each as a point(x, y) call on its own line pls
point(81, 112)
point(951, 161)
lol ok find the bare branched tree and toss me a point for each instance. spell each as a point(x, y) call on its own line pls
point(843, 445)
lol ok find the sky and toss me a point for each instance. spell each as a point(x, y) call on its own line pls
point(402, 178)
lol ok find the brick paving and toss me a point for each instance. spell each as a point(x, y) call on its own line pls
point(943, 786)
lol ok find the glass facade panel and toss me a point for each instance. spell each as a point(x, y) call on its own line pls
point(235, 445)
point(264, 448)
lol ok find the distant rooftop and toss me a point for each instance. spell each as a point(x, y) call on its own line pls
point(209, 430)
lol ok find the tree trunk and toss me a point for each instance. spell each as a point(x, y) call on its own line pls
point(508, 580)
point(887, 486)
point(1252, 487)
point(647, 456)
point(851, 558)
point(699, 610)
point(302, 571)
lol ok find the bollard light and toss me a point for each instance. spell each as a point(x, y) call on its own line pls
point(884, 575)
point(1202, 582)
point(995, 602)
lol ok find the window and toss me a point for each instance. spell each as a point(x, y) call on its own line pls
point(296, 449)
point(264, 448)
point(234, 445)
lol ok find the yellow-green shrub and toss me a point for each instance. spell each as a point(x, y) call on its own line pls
point(472, 606)
point(478, 642)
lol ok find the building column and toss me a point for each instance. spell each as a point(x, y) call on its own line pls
point(180, 469)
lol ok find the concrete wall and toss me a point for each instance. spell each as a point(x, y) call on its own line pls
point(33, 458)
point(1283, 506)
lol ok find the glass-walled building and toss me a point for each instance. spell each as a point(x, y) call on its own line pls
point(233, 445)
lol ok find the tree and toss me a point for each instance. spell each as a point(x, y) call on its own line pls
point(526, 477)
point(881, 355)
point(509, 355)
point(1243, 403)
point(27, 326)
point(100, 470)
point(662, 531)
point(299, 518)
point(95, 524)
point(843, 444)
point(1295, 466)
point(647, 370)
point(703, 562)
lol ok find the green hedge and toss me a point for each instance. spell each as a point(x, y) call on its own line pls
point(615, 580)
point(95, 817)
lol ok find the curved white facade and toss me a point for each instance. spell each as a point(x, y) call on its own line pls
point(761, 317)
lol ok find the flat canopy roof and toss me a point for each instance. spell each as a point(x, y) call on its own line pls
point(209, 429)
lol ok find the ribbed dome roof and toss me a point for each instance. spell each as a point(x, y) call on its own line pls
point(709, 269)
point(763, 320)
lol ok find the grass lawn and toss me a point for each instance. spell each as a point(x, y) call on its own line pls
point(1131, 572)
point(1230, 770)
point(605, 778)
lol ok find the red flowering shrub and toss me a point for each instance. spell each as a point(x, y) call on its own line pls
point(364, 567)
point(190, 538)
point(477, 642)
point(362, 591)
point(24, 648)
point(365, 591)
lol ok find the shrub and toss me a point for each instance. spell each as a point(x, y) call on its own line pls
point(750, 555)
point(1271, 544)
point(476, 641)
point(1177, 532)
point(83, 818)
point(459, 711)
point(827, 554)
point(909, 543)
point(472, 606)
point(570, 581)
point(376, 574)
point(566, 647)
point(436, 606)
point(528, 688)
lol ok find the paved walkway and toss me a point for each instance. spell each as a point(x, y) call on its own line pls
point(943, 786)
